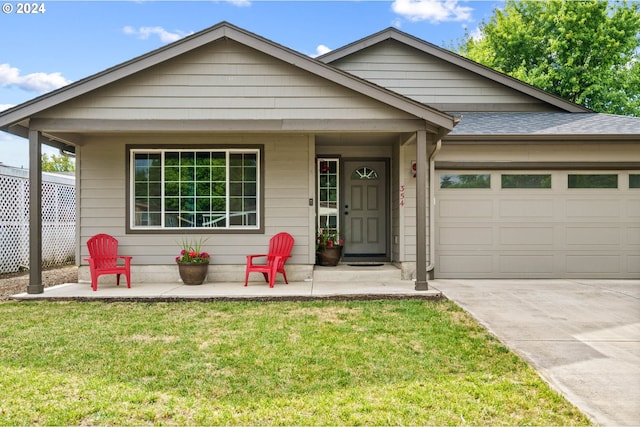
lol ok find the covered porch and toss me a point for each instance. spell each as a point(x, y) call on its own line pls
point(344, 281)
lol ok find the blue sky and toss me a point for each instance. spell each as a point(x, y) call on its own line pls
point(69, 40)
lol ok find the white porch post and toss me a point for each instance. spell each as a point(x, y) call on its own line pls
point(422, 168)
point(35, 214)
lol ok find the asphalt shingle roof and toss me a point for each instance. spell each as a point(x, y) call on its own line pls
point(545, 124)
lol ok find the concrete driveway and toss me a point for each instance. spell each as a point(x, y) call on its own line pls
point(582, 336)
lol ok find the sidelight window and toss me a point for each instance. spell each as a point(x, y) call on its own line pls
point(328, 197)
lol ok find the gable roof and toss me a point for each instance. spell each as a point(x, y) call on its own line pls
point(24, 111)
point(455, 59)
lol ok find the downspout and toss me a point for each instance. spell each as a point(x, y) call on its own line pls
point(432, 203)
point(432, 197)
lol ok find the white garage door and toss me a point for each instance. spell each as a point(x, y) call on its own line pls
point(515, 224)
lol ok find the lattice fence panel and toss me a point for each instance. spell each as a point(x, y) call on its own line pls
point(58, 223)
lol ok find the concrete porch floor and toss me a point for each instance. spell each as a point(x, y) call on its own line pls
point(342, 281)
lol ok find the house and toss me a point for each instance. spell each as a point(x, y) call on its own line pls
point(414, 154)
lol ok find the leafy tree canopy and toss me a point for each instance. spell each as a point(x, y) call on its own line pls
point(587, 52)
point(57, 163)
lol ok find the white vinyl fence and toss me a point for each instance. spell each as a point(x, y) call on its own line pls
point(58, 219)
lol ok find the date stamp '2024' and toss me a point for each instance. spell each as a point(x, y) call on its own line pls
point(23, 8)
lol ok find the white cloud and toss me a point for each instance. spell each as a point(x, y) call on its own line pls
point(321, 50)
point(6, 106)
point(145, 32)
point(433, 11)
point(240, 3)
point(34, 82)
point(476, 34)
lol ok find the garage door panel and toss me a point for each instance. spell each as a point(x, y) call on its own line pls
point(633, 264)
point(526, 264)
point(633, 207)
point(633, 236)
point(463, 208)
point(592, 263)
point(526, 235)
point(467, 264)
point(593, 208)
point(592, 235)
point(465, 236)
point(523, 208)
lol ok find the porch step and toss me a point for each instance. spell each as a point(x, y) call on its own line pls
point(343, 272)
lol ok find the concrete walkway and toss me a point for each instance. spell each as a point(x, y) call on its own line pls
point(582, 336)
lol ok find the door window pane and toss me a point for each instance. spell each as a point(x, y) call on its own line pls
point(364, 173)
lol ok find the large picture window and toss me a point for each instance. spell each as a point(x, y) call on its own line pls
point(176, 189)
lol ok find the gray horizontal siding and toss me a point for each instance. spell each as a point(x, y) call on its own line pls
point(286, 207)
point(430, 80)
point(225, 80)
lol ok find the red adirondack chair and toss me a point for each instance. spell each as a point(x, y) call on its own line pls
point(103, 251)
point(279, 251)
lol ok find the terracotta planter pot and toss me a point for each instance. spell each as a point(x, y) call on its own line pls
point(329, 255)
point(193, 273)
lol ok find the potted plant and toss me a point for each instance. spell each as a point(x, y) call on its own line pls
point(328, 247)
point(193, 263)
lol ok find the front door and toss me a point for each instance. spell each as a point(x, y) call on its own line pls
point(365, 209)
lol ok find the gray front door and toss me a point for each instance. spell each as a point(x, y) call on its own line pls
point(365, 209)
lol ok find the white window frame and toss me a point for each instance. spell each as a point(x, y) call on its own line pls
point(228, 152)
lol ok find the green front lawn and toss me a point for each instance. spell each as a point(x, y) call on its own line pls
point(408, 362)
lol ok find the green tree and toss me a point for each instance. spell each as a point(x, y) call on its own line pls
point(57, 163)
point(584, 51)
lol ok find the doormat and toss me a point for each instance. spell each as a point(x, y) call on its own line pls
point(369, 264)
